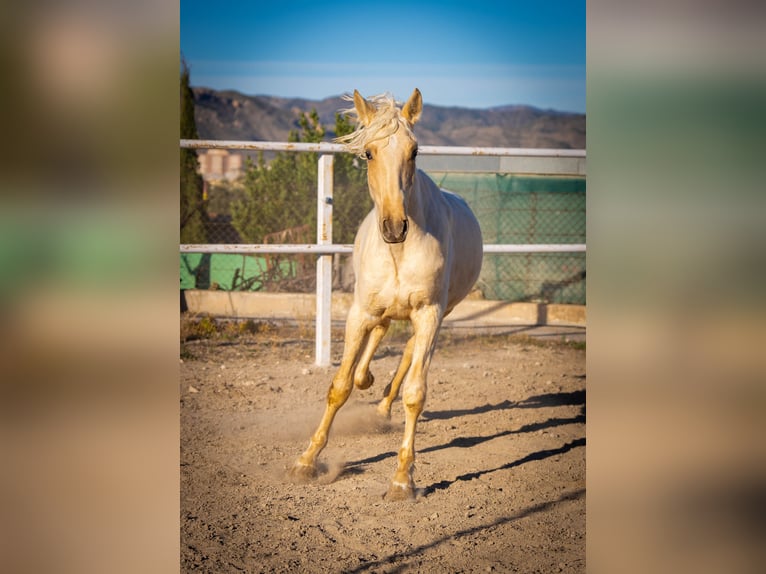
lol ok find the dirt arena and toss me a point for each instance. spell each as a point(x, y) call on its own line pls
point(500, 463)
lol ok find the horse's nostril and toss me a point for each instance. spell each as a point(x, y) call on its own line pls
point(394, 231)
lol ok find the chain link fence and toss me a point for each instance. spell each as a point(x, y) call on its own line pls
point(517, 209)
point(510, 208)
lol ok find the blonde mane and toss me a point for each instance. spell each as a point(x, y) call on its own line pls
point(387, 121)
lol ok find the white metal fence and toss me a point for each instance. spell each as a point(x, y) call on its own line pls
point(505, 160)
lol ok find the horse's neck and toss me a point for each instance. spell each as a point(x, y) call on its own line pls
point(421, 201)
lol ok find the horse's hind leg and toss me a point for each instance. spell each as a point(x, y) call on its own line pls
point(363, 378)
point(358, 326)
point(392, 390)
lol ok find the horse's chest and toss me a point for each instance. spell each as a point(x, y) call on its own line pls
point(395, 291)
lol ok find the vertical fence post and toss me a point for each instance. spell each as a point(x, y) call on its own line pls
point(324, 262)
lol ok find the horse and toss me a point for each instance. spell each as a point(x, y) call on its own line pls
point(416, 255)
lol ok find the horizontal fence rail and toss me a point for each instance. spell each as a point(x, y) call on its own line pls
point(438, 158)
point(508, 160)
point(297, 248)
point(326, 147)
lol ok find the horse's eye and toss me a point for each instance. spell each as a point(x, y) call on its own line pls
point(368, 154)
point(414, 153)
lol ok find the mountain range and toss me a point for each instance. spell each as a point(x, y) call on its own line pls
point(230, 115)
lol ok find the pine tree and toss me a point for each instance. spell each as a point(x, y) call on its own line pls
point(282, 194)
point(192, 209)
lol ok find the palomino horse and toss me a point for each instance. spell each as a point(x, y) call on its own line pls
point(416, 255)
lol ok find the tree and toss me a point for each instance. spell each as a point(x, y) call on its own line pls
point(192, 209)
point(280, 194)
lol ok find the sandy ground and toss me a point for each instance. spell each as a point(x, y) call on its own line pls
point(500, 462)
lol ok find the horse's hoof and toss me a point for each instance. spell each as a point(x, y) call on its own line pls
point(384, 410)
point(366, 383)
point(303, 473)
point(400, 492)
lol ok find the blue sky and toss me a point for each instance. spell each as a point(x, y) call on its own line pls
point(470, 54)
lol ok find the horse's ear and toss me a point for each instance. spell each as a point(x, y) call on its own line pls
point(364, 109)
point(413, 108)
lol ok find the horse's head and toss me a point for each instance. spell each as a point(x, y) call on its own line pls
point(386, 140)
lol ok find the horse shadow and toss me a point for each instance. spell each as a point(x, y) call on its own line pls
point(573, 398)
point(559, 399)
point(539, 455)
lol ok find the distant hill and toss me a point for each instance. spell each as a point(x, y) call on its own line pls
point(234, 116)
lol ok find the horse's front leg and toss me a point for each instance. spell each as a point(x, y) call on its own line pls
point(358, 326)
point(363, 378)
point(426, 322)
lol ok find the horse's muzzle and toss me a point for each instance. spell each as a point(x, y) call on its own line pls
point(394, 231)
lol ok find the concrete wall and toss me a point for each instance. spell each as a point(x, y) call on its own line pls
point(299, 306)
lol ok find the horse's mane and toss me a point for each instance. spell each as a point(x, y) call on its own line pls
point(388, 119)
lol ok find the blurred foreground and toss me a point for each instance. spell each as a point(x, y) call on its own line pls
point(88, 289)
